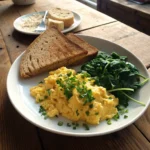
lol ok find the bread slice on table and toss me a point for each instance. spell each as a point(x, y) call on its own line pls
point(49, 51)
point(62, 15)
point(92, 51)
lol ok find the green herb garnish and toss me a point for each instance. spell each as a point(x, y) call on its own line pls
point(87, 113)
point(125, 116)
point(116, 117)
point(85, 94)
point(43, 112)
point(91, 105)
point(96, 113)
point(48, 91)
point(68, 125)
point(60, 123)
point(77, 113)
point(108, 121)
point(86, 126)
point(41, 82)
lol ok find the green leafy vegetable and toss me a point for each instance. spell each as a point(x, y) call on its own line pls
point(116, 74)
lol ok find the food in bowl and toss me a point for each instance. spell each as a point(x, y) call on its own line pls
point(74, 96)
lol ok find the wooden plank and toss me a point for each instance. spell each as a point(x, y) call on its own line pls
point(16, 42)
point(143, 123)
point(127, 139)
point(139, 8)
point(127, 37)
point(15, 132)
point(123, 11)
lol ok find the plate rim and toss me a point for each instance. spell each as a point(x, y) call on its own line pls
point(38, 33)
point(72, 133)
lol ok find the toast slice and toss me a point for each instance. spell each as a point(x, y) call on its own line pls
point(92, 51)
point(49, 51)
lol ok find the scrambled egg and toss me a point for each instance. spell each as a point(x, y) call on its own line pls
point(74, 96)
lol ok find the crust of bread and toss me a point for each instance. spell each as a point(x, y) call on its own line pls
point(49, 51)
point(62, 15)
point(92, 51)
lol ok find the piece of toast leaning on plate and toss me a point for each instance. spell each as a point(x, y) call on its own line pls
point(51, 50)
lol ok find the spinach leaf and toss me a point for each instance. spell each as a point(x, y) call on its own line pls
point(113, 72)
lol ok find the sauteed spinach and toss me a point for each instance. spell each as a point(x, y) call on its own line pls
point(116, 74)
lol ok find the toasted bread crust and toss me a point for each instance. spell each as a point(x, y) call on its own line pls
point(49, 51)
point(92, 51)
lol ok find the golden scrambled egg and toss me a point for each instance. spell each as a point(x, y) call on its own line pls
point(74, 96)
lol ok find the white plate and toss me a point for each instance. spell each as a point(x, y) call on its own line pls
point(19, 21)
point(18, 90)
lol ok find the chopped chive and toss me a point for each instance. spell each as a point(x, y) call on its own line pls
point(86, 126)
point(91, 105)
point(45, 97)
point(68, 125)
point(48, 91)
point(108, 121)
point(73, 123)
point(74, 128)
point(41, 82)
point(87, 113)
point(60, 123)
point(125, 116)
point(116, 117)
point(96, 113)
point(77, 113)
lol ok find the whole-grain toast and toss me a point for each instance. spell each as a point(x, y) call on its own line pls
point(49, 51)
point(92, 51)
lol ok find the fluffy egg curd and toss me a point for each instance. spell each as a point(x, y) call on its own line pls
point(74, 96)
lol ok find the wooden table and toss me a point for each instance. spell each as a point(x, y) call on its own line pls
point(18, 134)
point(130, 13)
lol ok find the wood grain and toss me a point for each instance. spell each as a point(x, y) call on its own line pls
point(137, 16)
point(15, 132)
point(139, 8)
point(125, 36)
point(127, 139)
point(143, 123)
